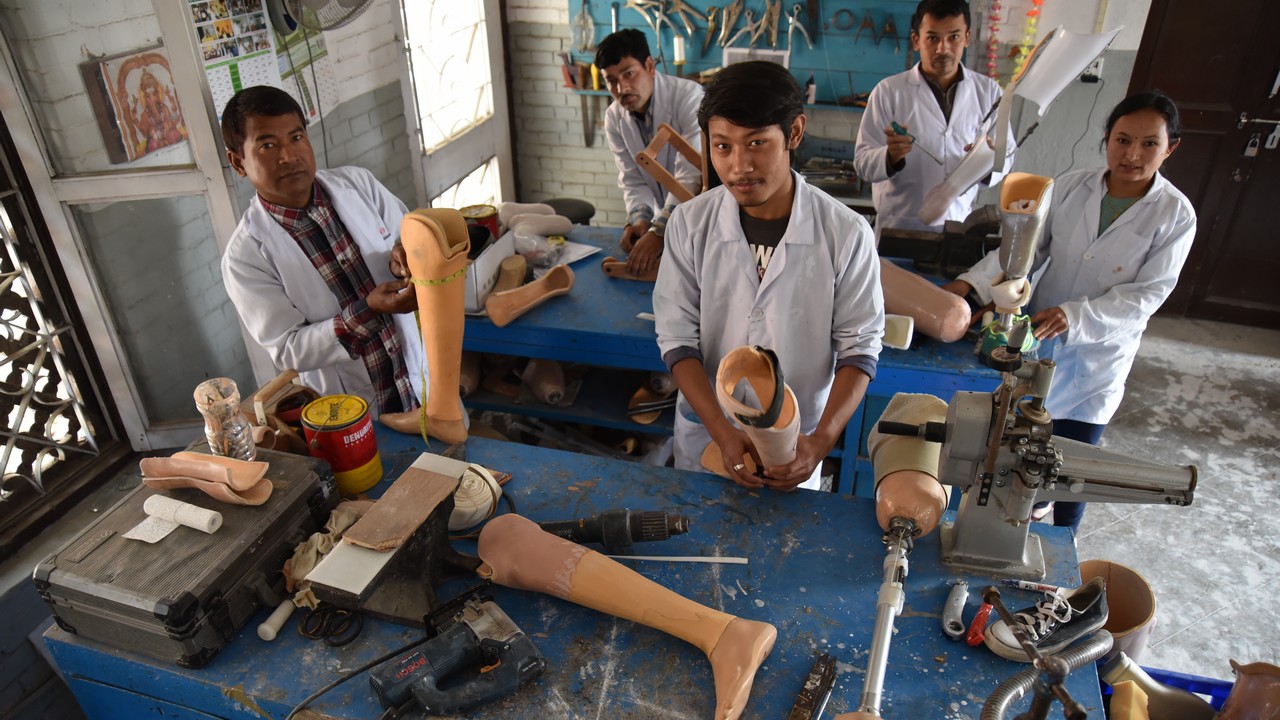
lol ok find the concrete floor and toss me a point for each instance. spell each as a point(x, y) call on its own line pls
point(1206, 394)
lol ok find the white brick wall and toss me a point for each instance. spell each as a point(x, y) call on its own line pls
point(365, 53)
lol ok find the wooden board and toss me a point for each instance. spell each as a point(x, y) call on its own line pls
point(407, 503)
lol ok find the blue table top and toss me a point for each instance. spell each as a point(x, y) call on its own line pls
point(814, 572)
point(596, 324)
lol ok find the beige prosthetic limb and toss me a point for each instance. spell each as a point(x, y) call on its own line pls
point(519, 554)
point(906, 468)
point(436, 243)
point(937, 313)
point(774, 441)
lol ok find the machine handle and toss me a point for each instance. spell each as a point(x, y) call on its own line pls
point(930, 431)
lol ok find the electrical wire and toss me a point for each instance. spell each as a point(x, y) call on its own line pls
point(1088, 123)
point(376, 661)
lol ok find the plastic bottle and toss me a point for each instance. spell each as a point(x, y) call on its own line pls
point(226, 428)
point(1163, 701)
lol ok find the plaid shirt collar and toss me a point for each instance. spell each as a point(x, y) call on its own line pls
point(296, 219)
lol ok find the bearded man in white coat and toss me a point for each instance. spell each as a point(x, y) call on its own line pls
point(644, 99)
point(939, 104)
point(766, 260)
point(309, 266)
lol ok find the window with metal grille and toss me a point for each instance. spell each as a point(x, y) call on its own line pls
point(59, 435)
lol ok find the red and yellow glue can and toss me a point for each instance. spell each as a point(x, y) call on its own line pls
point(339, 430)
point(485, 215)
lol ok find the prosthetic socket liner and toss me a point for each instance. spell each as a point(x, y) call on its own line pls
point(908, 494)
point(510, 210)
point(776, 440)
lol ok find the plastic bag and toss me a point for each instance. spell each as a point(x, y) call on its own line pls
point(538, 250)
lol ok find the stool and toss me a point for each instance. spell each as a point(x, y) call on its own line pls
point(578, 211)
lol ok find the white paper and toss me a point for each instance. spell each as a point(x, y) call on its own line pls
point(573, 252)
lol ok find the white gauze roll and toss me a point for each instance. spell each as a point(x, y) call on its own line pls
point(474, 500)
point(176, 511)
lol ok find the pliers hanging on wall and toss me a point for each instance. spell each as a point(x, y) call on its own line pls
point(731, 13)
point(748, 29)
point(682, 9)
point(793, 24)
point(713, 14)
point(772, 14)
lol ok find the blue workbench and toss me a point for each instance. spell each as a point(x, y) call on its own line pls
point(596, 324)
point(814, 572)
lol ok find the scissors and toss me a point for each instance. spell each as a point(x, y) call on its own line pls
point(903, 132)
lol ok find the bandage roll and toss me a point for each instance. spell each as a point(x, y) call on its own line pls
point(475, 499)
point(176, 511)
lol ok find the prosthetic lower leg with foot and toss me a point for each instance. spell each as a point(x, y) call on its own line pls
point(519, 554)
point(436, 243)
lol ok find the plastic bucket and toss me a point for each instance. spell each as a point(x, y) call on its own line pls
point(339, 430)
point(1131, 606)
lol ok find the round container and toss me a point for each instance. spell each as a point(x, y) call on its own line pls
point(339, 430)
point(485, 215)
point(1131, 606)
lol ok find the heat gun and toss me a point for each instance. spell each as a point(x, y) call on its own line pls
point(482, 638)
point(617, 529)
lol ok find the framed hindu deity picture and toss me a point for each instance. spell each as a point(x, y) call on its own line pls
point(135, 102)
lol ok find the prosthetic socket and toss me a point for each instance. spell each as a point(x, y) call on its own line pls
point(1024, 205)
point(755, 374)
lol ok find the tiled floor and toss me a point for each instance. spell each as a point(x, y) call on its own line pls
point(1207, 394)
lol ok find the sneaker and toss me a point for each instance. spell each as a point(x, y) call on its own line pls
point(1053, 623)
point(1040, 511)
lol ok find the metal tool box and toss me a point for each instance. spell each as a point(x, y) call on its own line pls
point(183, 598)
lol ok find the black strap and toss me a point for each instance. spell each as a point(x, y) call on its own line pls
point(771, 414)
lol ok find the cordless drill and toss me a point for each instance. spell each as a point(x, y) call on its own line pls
point(617, 529)
point(481, 637)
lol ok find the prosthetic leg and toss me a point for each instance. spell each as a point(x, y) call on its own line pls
point(436, 243)
point(937, 313)
point(909, 504)
point(1024, 206)
point(519, 554)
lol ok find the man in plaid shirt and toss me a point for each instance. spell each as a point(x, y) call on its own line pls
point(309, 266)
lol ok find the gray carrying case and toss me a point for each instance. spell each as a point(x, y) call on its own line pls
point(182, 599)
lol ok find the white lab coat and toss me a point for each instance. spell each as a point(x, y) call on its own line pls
point(675, 102)
point(285, 303)
point(819, 301)
point(1108, 286)
point(907, 99)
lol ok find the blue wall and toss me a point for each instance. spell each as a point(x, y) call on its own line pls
point(835, 61)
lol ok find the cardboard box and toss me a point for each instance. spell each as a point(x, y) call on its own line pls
point(482, 274)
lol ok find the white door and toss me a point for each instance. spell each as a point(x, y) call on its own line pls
point(122, 157)
point(456, 102)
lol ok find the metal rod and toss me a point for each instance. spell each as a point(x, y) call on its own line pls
point(888, 605)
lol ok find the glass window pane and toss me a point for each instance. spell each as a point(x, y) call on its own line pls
point(157, 265)
point(117, 111)
point(449, 53)
point(481, 187)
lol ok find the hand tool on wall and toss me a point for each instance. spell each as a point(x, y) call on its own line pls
point(814, 14)
point(890, 31)
point(616, 530)
point(613, 17)
point(713, 16)
point(584, 29)
point(794, 24)
point(731, 13)
point(683, 10)
point(773, 13)
point(749, 29)
point(813, 696)
point(475, 637)
point(868, 23)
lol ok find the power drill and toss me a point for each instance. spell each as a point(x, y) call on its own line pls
point(617, 529)
point(482, 637)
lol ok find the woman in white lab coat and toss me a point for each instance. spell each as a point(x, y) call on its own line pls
point(1111, 252)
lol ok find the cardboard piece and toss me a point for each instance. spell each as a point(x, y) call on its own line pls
point(482, 275)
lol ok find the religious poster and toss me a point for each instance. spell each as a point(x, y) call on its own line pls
point(135, 102)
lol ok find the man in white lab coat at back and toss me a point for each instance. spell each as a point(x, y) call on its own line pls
point(937, 102)
point(308, 267)
point(644, 99)
point(766, 260)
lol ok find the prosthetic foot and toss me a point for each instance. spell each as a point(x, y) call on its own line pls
point(506, 306)
point(518, 554)
point(436, 242)
point(617, 269)
point(774, 427)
